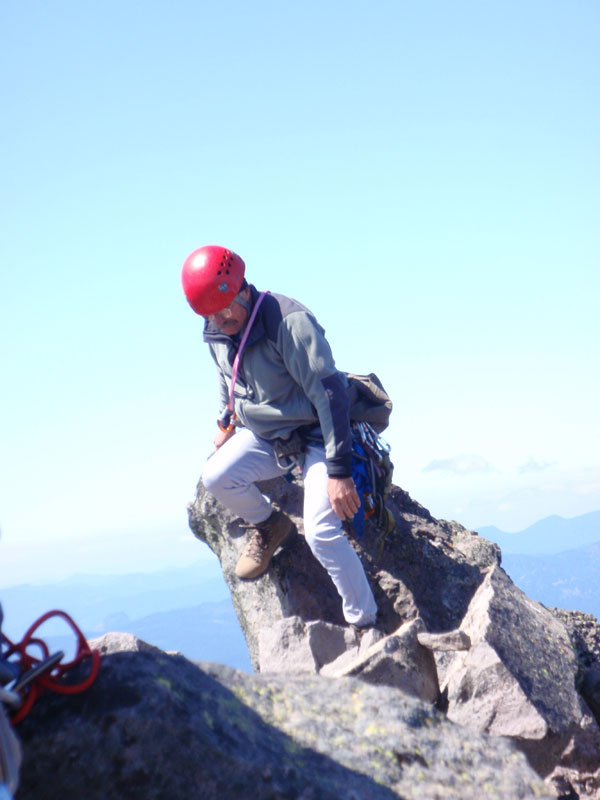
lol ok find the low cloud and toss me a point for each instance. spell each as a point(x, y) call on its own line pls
point(460, 465)
point(535, 466)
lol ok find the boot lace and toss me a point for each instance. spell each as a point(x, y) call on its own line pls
point(257, 546)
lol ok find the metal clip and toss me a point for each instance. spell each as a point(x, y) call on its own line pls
point(44, 666)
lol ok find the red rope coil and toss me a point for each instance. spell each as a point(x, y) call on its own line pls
point(52, 679)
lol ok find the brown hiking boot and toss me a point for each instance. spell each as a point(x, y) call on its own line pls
point(266, 538)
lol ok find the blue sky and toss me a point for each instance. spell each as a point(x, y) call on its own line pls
point(424, 176)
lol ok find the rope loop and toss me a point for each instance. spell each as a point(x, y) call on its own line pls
point(47, 672)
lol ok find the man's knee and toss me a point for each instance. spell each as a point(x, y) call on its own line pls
point(321, 537)
point(212, 477)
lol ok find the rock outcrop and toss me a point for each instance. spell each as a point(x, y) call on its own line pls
point(423, 568)
point(155, 725)
point(518, 679)
point(453, 630)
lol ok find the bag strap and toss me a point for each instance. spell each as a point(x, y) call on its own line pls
point(225, 423)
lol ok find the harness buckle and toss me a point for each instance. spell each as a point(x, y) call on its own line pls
point(289, 453)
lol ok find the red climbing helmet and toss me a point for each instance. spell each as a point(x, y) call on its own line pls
point(211, 277)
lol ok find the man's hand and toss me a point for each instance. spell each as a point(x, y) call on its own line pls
point(221, 437)
point(343, 497)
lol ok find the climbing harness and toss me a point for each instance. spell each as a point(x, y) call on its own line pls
point(23, 676)
point(289, 453)
point(225, 422)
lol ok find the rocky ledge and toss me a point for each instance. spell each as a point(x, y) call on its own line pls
point(156, 725)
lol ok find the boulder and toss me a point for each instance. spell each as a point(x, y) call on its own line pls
point(518, 679)
point(396, 660)
point(155, 725)
point(293, 646)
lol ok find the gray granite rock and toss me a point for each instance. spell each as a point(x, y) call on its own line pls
point(423, 568)
point(158, 726)
point(444, 642)
point(518, 679)
point(507, 665)
point(396, 660)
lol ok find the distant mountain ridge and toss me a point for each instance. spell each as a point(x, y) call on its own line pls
point(187, 609)
point(555, 561)
point(549, 536)
point(92, 599)
point(566, 580)
point(206, 632)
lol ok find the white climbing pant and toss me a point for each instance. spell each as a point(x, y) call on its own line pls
point(230, 475)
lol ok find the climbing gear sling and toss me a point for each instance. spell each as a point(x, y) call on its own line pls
point(372, 471)
point(24, 676)
point(225, 422)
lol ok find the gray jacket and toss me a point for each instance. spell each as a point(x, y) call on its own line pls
point(287, 378)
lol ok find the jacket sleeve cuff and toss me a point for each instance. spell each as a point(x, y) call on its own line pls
point(340, 466)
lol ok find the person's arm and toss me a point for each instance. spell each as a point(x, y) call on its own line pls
point(309, 360)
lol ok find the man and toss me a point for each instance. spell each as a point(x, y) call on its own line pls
point(283, 383)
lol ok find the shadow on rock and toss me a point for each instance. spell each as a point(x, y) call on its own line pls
point(158, 726)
